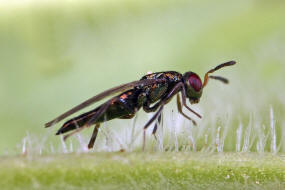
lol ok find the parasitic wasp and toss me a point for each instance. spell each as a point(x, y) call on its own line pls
point(152, 92)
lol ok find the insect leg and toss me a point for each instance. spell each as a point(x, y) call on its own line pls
point(174, 90)
point(154, 116)
point(155, 126)
point(178, 87)
point(184, 102)
point(147, 108)
point(93, 137)
point(179, 106)
point(149, 122)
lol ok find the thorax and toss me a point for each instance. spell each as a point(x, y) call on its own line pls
point(157, 91)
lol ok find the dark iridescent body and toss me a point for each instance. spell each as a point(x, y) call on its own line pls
point(151, 93)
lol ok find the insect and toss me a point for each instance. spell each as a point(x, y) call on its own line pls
point(152, 92)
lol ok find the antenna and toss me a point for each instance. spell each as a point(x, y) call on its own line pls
point(222, 79)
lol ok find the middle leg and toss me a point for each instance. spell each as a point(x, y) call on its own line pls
point(156, 124)
point(161, 103)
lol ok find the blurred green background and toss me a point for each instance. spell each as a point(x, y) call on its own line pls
point(54, 55)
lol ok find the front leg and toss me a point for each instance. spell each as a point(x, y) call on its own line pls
point(179, 107)
point(183, 92)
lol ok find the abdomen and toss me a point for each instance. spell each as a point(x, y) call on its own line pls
point(115, 110)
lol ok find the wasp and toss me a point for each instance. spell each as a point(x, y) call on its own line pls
point(152, 92)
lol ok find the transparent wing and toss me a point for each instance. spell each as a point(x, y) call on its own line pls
point(101, 96)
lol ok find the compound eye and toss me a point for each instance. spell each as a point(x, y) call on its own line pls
point(195, 82)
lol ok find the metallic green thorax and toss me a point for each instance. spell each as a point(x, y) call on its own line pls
point(156, 91)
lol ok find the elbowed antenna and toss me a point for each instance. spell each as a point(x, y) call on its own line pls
point(222, 79)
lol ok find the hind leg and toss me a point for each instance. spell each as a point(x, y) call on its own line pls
point(94, 136)
point(96, 128)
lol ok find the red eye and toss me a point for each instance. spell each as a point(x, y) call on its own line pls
point(195, 82)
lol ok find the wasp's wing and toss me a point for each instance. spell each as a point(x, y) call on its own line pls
point(103, 95)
